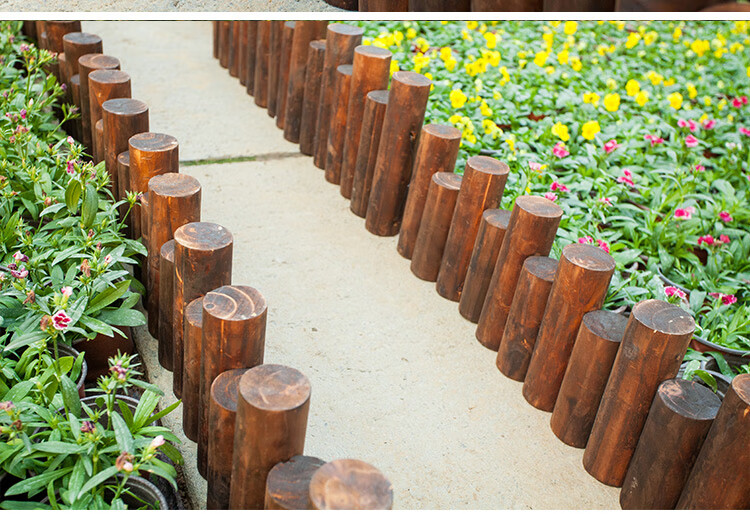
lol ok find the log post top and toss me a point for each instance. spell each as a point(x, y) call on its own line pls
point(689, 399)
point(109, 76)
point(588, 257)
point(318, 44)
point(379, 96)
point(234, 303)
point(194, 312)
point(741, 386)
point(488, 165)
point(225, 388)
point(288, 482)
point(124, 158)
point(345, 29)
point(543, 268)
point(290, 24)
point(81, 38)
point(167, 251)
point(373, 52)
point(498, 218)
point(153, 142)
point(125, 107)
point(203, 236)
point(448, 180)
point(606, 325)
point(345, 69)
point(99, 61)
point(274, 387)
point(174, 185)
point(661, 316)
point(412, 79)
point(350, 484)
point(441, 131)
point(539, 207)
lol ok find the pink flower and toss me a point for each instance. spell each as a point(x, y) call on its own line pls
point(603, 245)
point(71, 141)
point(550, 196)
point(107, 260)
point(674, 291)
point(691, 141)
point(19, 257)
point(60, 321)
point(20, 273)
point(655, 140)
point(744, 131)
point(158, 441)
point(559, 150)
point(723, 238)
point(586, 240)
point(535, 166)
point(715, 295)
point(7, 406)
point(709, 124)
point(708, 239)
point(728, 299)
point(684, 213)
point(611, 145)
point(627, 178)
point(87, 427)
point(606, 201)
point(691, 124)
point(739, 101)
point(71, 167)
point(67, 291)
point(700, 167)
point(556, 186)
point(725, 216)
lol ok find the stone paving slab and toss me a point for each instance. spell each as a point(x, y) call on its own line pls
point(169, 5)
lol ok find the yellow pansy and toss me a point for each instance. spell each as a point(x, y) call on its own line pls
point(590, 129)
point(611, 83)
point(633, 40)
point(722, 104)
point(748, 71)
point(561, 131)
point(570, 27)
point(540, 58)
point(548, 37)
point(632, 87)
point(562, 57)
point(458, 98)
point(655, 78)
point(485, 109)
point(675, 100)
point(398, 36)
point(576, 63)
point(707, 101)
point(422, 44)
point(555, 23)
point(505, 74)
point(677, 34)
point(641, 98)
point(411, 33)
point(394, 66)
point(670, 81)
point(650, 37)
point(450, 64)
point(511, 144)
point(491, 128)
point(700, 47)
point(494, 58)
point(466, 35)
point(472, 24)
point(455, 119)
point(491, 39)
point(591, 98)
point(612, 102)
point(420, 61)
point(692, 92)
point(736, 47)
point(445, 53)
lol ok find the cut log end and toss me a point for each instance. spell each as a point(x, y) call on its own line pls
point(345, 29)
point(125, 107)
point(606, 325)
point(373, 52)
point(288, 483)
point(410, 78)
point(233, 303)
point(689, 399)
point(153, 142)
point(487, 165)
point(174, 185)
point(225, 388)
point(352, 485)
point(203, 236)
point(538, 206)
point(663, 317)
point(588, 257)
point(99, 62)
point(274, 387)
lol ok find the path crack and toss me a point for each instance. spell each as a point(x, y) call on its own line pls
point(272, 156)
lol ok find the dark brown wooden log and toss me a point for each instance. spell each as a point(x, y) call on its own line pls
point(349, 484)
point(525, 316)
point(123, 174)
point(242, 52)
point(507, 5)
point(104, 85)
point(437, 150)
point(192, 337)
point(225, 38)
point(56, 30)
point(151, 154)
point(77, 44)
point(41, 39)
point(234, 50)
point(490, 237)
point(370, 72)
point(252, 42)
point(383, 5)
point(86, 64)
point(274, 61)
point(578, 5)
point(222, 414)
point(586, 377)
point(651, 351)
point(662, 5)
point(720, 478)
point(234, 321)
point(262, 50)
point(287, 35)
point(481, 189)
point(367, 152)
point(436, 222)
point(166, 305)
point(174, 200)
point(145, 229)
point(531, 231)
point(98, 142)
point(313, 79)
point(29, 29)
point(215, 29)
point(341, 40)
point(305, 32)
point(202, 263)
point(337, 127)
point(122, 119)
point(272, 410)
point(676, 426)
point(288, 483)
point(439, 5)
point(404, 115)
point(349, 5)
point(728, 7)
point(580, 286)
point(75, 96)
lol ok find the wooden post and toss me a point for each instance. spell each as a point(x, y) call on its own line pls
point(151, 154)
point(586, 376)
point(287, 35)
point(225, 35)
point(260, 77)
point(174, 200)
point(578, 6)
point(720, 478)
point(234, 320)
point(86, 64)
point(222, 413)
point(234, 50)
point(490, 237)
point(383, 5)
point(202, 263)
point(76, 44)
point(242, 52)
point(370, 73)
point(98, 143)
point(272, 410)
point(437, 150)
point(191, 369)
point(252, 42)
point(403, 120)
point(436, 222)
point(349, 5)
point(104, 85)
point(676, 426)
point(531, 231)
point(215, 28)
point(367, 152)
point(349, 484)
point(341, 40)
point(525, 316)
point(439, 5)
point(507, 5)
point(56, 30)
point(305, 32)
point(274, 61)
point(580, 286)
point(337, 127)
point(651, 351)
point(29, 29)
point(288, 483)
point(313, 78)
point(122, 118)
point(481, 189)
point(75, 97)
point(166, 305)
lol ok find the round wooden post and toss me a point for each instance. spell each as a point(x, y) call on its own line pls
point(367, 152)
point(252, 42)
point(122, 119)
point(77, 44)
point(75, 128)
point(262, 50)
point(215, 32)
point(349, 484)
point(225, 35)
point(481, 189)
point(580, 286)
point(192, 337)
point(98, 143)
point(222, 413)
point(287, 35)
point(651, 351)
point(166, 303)
point(507, 5)
point(437, 150)
point(578, 6)
point(202, 263)
point(370, 73)
point(242, 52)
point(288, 483)
point(86, 64)
point(490, 237)
point(274, 61)
point(234, 320)
point(349, 5)
point(104, 85)
point(586, 377)
point(531, 231)
point(56, 30)
point(436, 222)
point(337, 128)
point(341, 40)
point(305, 32)
point(720, 478)
point(174, 200)
point(313, 79)
point(676, 426)
point(525, 316)
point(234, 50)
point(272, 409)
point(403, 120)
point(383, 5)
point(29, 29)
point(440, 5)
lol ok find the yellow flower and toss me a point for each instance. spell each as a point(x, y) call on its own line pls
point(700, 47)
point(675, 100)
point(612, 102)
point(722, 104)
point(633, 40)
point(458, 98)
point(491, 39)
point(455, 119)
point(465, 35)
point(654, 77)
point(472, 24)
point(494, 58)
point(692, 92)
point(650, 37)
point(632, 87)
point(491, 128)
point(411, 33)
point(576, 64)
point(641, 98)
point(611, 83)
point(669, 82)
point(420, 61)
point(540, 58)
point(446, 53)
point(398, 36)
point(554, 23)
point(394, 66)
point(450, 64)
point(511, 144)
point(549, 70)
point(561, 131)
point(591, 98)
point(570, 27)
point(505, 74)
point(485, 109)
point(548, 37)
point(677, 34)
point(736, 47)
point(707, 101)
point(562, 57)
point(590, 129)
point(422, 44)
point(748, 71)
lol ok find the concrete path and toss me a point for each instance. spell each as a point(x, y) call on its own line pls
point(398, 377)
point(168, 5)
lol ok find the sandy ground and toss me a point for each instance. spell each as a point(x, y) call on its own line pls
point(168, 5)
point(398, 377)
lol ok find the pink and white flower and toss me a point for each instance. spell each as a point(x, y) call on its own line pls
point(700, 167)
point(550, 196)
point(19, 257)
point(556, 186)
point(655, 140)
point(675, 291)
point(709, 124)
point(611, 145)
point(536, 166)
point(744, 131)
point(626, 178)
point(66, 291)
point(691, 141)
point(606, 201)
point(684, 213)
point(559, 150)
point(60, 320)
point(725, 216)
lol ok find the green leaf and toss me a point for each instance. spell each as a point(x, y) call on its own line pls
point(76, 480)
point(123, 318)
point(97, 326)
point(73, 195)
point(707, 377)
point(172, 453)
point(97, 479)
point(122, 433)
point(163, 413)
point(146, 406)
point(58, 447)
point(145, 385)
point(722, 364)
point(36, 483)
point(70, 396)
point(108, 296)
point(90, 206)
point(19, 391)
point(26, 339)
